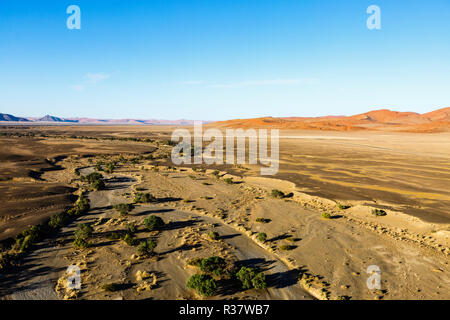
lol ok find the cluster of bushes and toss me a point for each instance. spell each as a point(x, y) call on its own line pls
point(123, 208)
point(144, 198)
point(24, 241)
point(205, 284)
point(212, 265)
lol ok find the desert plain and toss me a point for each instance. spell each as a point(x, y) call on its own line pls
point(321, 233)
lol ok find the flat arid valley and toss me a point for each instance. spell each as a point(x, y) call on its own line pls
point(343, 207)
point(224, 159)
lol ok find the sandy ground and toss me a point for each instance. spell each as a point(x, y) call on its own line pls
point(404, 174)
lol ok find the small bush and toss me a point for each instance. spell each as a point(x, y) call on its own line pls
point(214, 265)
point(379, 212)
point(80, 243)
point(216, 173)
point(262, 237)
point(213, 235)
point(153, 223)
point(84, 231)
point(131, 228)
point(203, 284)
point(286, 247)
point(277, 194)
point(228, 180)
point(147, 247)
point(259, 281)
point(130, 240)
point(144, 198)
point(115, 236)
point(343, 206)
point(123, 208)
point(110, 166)
point(245, 276)
point(251, 279)
point(326, 215)
point(58, 220)
point(262, 220)
point(111, 287)
point(98, 185)
point(94, 176)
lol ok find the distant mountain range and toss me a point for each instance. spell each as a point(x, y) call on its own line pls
point(435, 121)
point(56, 120)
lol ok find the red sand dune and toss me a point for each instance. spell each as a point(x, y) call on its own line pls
point(435, 121)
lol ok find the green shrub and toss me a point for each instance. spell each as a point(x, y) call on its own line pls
point(111, 287)
point(84, 231)
point(286, 247)
point(262, 220)
point(123, 208)
point(153, 223)
point(214, 265)
point(131, 228)
point(245, 276)
point(277, 194)
point(147, 247)
point(144, 198)
point(228, 180)
point(249, 278)
point(130, 240)
point(115, 236)
point(98, 166)
point(98, 185)
point(213, 235)
point(80, 243)
point(326, 215)
point(262, 237)
point(110, 166)
point(343, 206)
point(259, 281)
point(216, 173)
point(94, 176)
point(379, 212)
point(203, 284)
point(58, 220)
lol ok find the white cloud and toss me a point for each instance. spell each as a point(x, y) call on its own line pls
point(77, 87)
point(192, 82)
point(273, 82)
point(96, 77)
point(90, 79)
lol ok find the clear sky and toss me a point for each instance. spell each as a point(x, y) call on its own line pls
point(222, 59)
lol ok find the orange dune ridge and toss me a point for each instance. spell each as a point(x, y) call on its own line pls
point(385, 120)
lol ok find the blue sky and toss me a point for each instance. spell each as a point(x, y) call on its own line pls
point(222, 59)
